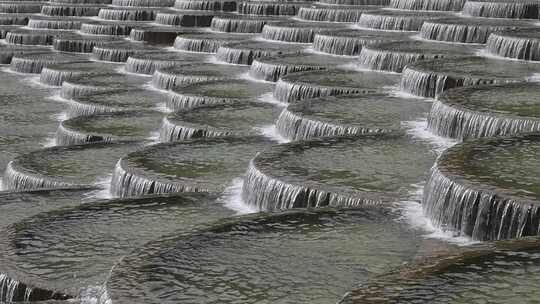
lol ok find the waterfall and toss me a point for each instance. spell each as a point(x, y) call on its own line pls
point(289, 91)
point(509, 9)
point(184, 19)
point(267, 193)
point(229, 24)
point(19, 8)
point(143, 3)
point(430, 83)
point(269, 8)
point(330, 14)
point(13, 291)
point(356, 2)
point(30, 38)
point(274, 71)
point(30, 65)
point(394, 22)
point(127, 14)
point(70, 10)
point(54, 77)
point(290, 33)
point(460, 123)
point(77, 45)
point(75, 90)
point(54, 24)
point(518, 47)
point(240, 53)
point(206, 5)
point(169, 132)
point(198, 44)
point(14, 19)
point(113, 54)
point(459, 31)
point(17, 179)
point(428, 5)
point(295, 127)
point(77, 108)
point(149, 66)
point(110, 29)
point(125, 183)
point(67, 137)
point(391, 58)
point(177, 101)
point(166, 79)
point(482, 215)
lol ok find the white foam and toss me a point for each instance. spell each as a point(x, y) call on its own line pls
point(413, 214)
point(104, 182)
point(232, 198)
point(2, 184)
point(153, 138)
point(50, 141)
point(122, 70)
point(60, 116)
point(395, 91)
point(162, 107)
point(418, 129)
point(247, 76)
point(95, 295)
point(271, 132)
point(362, 68)
point(150, 87)
point(269, 98)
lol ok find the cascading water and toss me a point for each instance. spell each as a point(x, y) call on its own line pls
point(483, 111)
point(243, 24)
point(350, 14)
point(70, 10)
point(185, 19)
point(428, 5)
point(521, 44)
point(206, 5)
point(470, 208)
point(463, 30)
point(270, 8)
point(517, 9)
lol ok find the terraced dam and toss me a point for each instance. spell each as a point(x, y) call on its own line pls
point(269, 151)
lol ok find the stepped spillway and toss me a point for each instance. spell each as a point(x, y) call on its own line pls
point(470, 193)
point(295, 32)
point(123, 126)
point(168, 78)
point(429, 78)
point(148, 63)
point(428, 5)
point(110, 229)
point(231, 119)
point(466, 30)
point(332, 82)
point(60, 167)
point(350, 42)
point(515, 9)
point(207, 43)
point(394, 56)
point(258, 247)
point(246, 51)
point(214, 92)
point(521, 44)
point(347, 115)
point(363, 171)
point(273, 68)
point(203, 165)
point(397, 20)
point(485, 111)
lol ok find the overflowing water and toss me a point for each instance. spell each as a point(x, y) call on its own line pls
point(152, 151)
